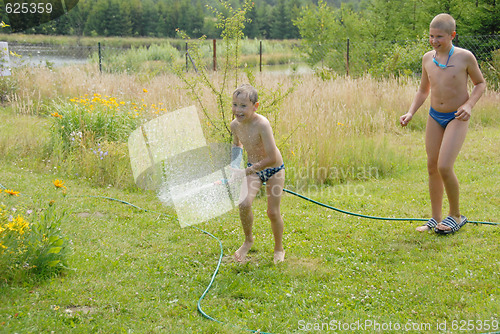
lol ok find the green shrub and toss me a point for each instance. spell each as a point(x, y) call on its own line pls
point(8, 86)
point(85, 121)
point(155, 58)
point(88, 138)
point(32, 245)
point(402, 59)
point(491, 70)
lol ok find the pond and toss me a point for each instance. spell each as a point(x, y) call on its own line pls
point(48, 54)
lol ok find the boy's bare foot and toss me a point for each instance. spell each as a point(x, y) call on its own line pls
point(279, 256)
point(431, 223)
point(446, 228)
point(423, 228)
point(242, 252)
point(442, 227)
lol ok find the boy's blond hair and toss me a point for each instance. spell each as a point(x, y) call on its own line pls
point(247, 90)
point(444, 22)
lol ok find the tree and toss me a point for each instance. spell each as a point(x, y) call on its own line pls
point(320, 32)
point(136, 17)
point(150, 18)
point(279, 25)
point(489, 17)
point(97, 19)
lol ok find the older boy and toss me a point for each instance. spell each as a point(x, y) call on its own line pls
point(265, 165)
point(445, 72)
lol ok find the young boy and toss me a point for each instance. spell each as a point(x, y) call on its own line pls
point(445, 72)
point(265, 164)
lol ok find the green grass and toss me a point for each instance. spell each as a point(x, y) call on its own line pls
point(136, 271)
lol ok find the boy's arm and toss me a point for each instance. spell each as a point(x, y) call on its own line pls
point(270, 149)
point(464, 111)
point(236, 150)
point(236, 140)
point(420, 96)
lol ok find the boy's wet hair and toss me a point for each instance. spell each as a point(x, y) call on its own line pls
point(247, 90)
point(444, 22)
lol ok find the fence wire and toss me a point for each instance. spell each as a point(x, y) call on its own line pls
point(343, 57)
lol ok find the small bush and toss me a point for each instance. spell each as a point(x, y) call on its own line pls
point(32, 245)
point(155, 58)
point(402, 59)
point(8, 86)
point(88, 137)
point(491, 71)
point(87, 120)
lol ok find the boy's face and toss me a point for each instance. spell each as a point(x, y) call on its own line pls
point(439, 39)
point(243, 108)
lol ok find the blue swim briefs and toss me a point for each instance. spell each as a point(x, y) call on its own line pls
point(443, 118)
point(267, 173)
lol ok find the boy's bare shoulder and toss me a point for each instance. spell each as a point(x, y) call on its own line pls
point(459, 50)
point(262, 123)
point(262, 120)
point(428, 54)
point(465, 54)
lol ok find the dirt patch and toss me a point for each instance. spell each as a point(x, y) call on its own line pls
point(79, 309)
point(88, 214)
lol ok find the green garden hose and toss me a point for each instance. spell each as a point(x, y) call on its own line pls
point(369, 217)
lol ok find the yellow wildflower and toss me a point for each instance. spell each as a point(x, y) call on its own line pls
point(20, 224)
point(59, 184)
point(144, 90)
point(12, 53)
point(56, 114)
point(338, 123)
point(12, 192)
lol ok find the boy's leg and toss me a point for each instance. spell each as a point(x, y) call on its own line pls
point(274, 189)
point(453, 139)
point(433, 138)
point(253, 184)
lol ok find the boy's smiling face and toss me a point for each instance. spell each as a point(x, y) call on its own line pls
point(440, 40)
point(243, 108)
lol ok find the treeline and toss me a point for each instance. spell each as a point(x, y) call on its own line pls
point(271, 19)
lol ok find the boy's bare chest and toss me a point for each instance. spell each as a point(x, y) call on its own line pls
point(248, 136)
point(448, 77)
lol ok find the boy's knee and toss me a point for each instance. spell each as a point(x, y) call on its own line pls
point(432, 166)
point(245, 205)
point(445, 170)
point(273, 214)
point(432, 170)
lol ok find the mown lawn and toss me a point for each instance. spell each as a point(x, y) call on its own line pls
point(139, 272)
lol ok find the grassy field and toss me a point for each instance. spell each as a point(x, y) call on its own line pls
point(133, 271)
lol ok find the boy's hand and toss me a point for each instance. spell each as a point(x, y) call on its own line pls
point(463, 113)
point(236, 174)
point(405, 119)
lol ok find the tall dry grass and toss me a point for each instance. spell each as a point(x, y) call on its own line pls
point(338, 130)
